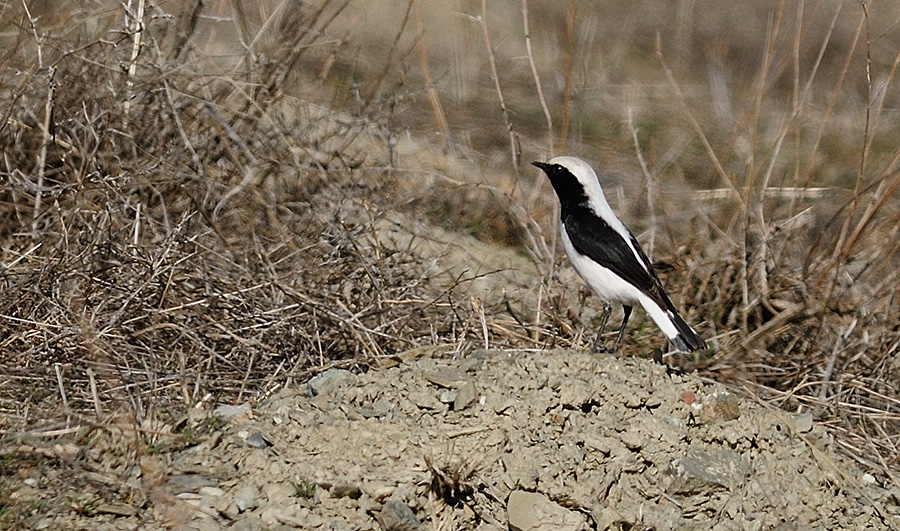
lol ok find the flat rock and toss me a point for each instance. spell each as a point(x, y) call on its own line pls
point(803, 423)
point(532, 511)
point(446, 377)
point(229, 411)
point(465, 396)
point(397, 516)
point(181, 483)
point(699, 472)
point(246, 498)
point(116, 509)
point(331, 380)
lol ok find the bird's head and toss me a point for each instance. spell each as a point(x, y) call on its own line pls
point(573, 179)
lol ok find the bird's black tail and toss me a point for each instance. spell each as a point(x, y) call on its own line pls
point(666, 317)
point(687, 340)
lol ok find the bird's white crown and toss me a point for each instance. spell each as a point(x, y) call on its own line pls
point(591, 183)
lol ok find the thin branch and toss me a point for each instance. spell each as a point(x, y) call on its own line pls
point(134, 24)
point(568, 74)
point(648, 180)
point(537, 79)
point(513, 142)
point(437, 110)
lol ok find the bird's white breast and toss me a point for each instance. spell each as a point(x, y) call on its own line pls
point(608, 285)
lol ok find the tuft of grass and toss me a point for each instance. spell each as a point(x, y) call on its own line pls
point(305, 489)
point(453, 480)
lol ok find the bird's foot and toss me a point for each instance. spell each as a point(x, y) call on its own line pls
point(600, 348)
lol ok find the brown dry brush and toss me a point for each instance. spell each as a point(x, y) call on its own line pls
point(804, 299)
point(172, 231)
point(823, 339)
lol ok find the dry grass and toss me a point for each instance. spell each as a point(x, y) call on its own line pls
point(187, 227)
point(188, 216)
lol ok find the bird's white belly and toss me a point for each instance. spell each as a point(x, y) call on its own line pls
point(606, 284)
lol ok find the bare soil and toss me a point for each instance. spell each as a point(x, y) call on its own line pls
point(490, 440)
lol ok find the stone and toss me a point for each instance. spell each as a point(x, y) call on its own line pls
point(803, 423)
point(533, 511)
point(181, 483)
point(576, 394)
point(229, 412)
point(703, 472)
point(211, 491)
point(397, 516)
point(425, 400)
point(465, 396)
point(448, 396)
point(330, 381)
point(116, 509)
point(246, 498)
point(446, 377)
point(256, 440)
point(720, 406)
point(346, 490)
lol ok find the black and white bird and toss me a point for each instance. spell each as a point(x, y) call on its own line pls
point(608, 257)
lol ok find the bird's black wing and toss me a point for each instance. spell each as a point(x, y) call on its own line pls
point(593, 237)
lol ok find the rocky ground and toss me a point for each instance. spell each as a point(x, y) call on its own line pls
point(551, 440)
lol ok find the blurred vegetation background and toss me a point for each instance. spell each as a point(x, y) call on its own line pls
point(210, 201)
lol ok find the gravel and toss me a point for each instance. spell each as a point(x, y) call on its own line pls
point(507, 440)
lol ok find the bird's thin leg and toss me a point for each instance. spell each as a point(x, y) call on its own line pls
point(627, 310)
point(596, 348)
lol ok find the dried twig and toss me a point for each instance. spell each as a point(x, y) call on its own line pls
point(57, 368)
point(537, 82)
point(514, 150)
point(437, 110)
point(134, 25)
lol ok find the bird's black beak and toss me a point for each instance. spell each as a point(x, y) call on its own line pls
point(542, 165)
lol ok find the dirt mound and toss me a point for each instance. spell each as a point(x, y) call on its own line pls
point(497, 440)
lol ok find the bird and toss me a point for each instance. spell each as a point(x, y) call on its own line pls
point(608, 257)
